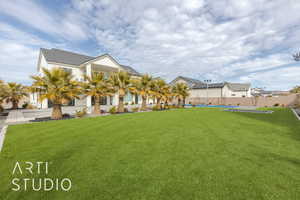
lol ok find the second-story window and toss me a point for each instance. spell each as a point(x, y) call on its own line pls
point(67, 70)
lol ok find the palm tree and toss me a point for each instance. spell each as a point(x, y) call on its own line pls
point(97, 86)
point(142, 87)
point(121, 83)
point(181, 92)
point(3, 93)
point(168, 95)
point(158, 87)
point(57, 86)
point(14, 93)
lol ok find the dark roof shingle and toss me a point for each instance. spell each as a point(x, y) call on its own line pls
point(65, 57)
point(70, 58)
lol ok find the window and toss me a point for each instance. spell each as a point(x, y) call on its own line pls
point(233, 95)
point(67, 70)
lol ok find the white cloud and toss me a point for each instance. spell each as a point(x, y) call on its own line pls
point(223, 40)
point(65, 24)
point(17, 61)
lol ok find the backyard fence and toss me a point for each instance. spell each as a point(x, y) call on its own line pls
point(288, 100)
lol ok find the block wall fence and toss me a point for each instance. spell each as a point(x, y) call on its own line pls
point(286, 101)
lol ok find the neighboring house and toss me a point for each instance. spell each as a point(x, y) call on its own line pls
point(268, 93)
point(199, 89)
point(79, 65)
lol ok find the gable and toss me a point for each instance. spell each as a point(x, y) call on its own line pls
point(106, 61)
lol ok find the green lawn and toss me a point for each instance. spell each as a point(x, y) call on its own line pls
point(185, 154)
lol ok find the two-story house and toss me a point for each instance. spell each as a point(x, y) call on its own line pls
point(79, 65)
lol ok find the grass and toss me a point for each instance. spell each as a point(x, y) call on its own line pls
point(197, 153)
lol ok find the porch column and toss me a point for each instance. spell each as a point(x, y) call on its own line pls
point(89, 98)
point(116, 99)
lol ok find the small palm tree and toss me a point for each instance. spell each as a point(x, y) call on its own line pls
point(158, 88)
point(121, 83)
point(142, 87)
point(14, 93)
point(181, 92)
point(57, 86)
point(97, 86)
point(3, 93)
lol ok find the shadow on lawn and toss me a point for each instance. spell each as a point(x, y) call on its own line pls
point(280, 117)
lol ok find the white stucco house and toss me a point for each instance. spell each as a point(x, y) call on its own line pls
point(79, 65)
point(200, 89)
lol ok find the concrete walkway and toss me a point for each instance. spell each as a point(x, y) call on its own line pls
point(297, 113)
point(15, 116)
point(2, 136)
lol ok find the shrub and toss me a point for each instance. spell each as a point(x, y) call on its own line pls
point(167, 107)
point(1, 108)
point(81, 113)
point(126, 103)
point(113, 110)
point(66, 115)
point(132, 103)
point(135, 109)
point(282, 105)
point(155, 108)
point(297, 105)
point(30, 106)
point(25, 104)
point(276, 104)
point(126, 110)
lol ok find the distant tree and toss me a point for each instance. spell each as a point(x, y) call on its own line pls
point(297, 56)
point(296, 89)
point(3, 93)
point(15, 93)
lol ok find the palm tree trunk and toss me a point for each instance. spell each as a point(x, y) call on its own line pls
point(121, 104)
point(179, 102)
point(97, 106)
point(158, 103)
point(166, 104)
point(56, 112)
point(144, 103)
point(183, 102)
point(15, 105)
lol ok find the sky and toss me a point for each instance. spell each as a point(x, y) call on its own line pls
point(223, 40)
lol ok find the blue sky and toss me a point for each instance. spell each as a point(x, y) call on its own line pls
point(223, 40)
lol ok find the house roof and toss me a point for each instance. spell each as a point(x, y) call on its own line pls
point(130, 70)
point(239, 86)
point(190, 81)
point(232, 86)
point(70, 58)
point(211, 85)
point(65, 57)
